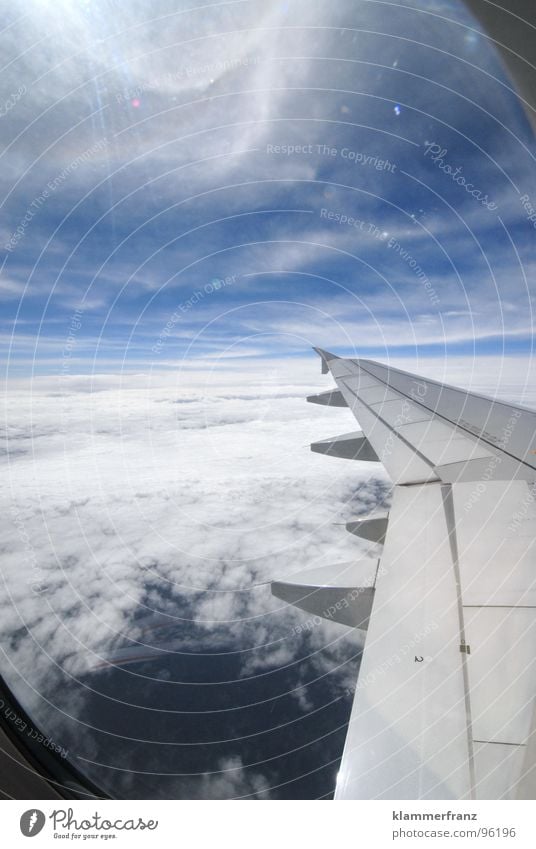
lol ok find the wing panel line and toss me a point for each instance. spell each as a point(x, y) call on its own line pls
point(390, 427)
point(448, 504)
point(455, 424)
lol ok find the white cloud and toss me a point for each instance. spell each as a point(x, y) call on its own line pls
point(121, 503)
point(149, 516)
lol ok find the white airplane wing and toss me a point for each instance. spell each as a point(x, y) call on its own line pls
point(444, 706)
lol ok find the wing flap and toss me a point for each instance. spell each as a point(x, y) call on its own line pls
point(408, 734)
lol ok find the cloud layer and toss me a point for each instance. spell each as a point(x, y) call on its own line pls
point(141, 530)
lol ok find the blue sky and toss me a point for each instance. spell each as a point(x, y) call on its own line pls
point(163, 147)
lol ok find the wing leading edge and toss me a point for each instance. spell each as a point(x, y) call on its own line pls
point(444, 706)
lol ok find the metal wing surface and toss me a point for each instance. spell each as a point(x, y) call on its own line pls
point(444, 706)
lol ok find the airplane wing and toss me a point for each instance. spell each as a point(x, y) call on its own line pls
point(444, 706)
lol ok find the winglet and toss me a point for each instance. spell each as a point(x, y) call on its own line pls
point(325, 356)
